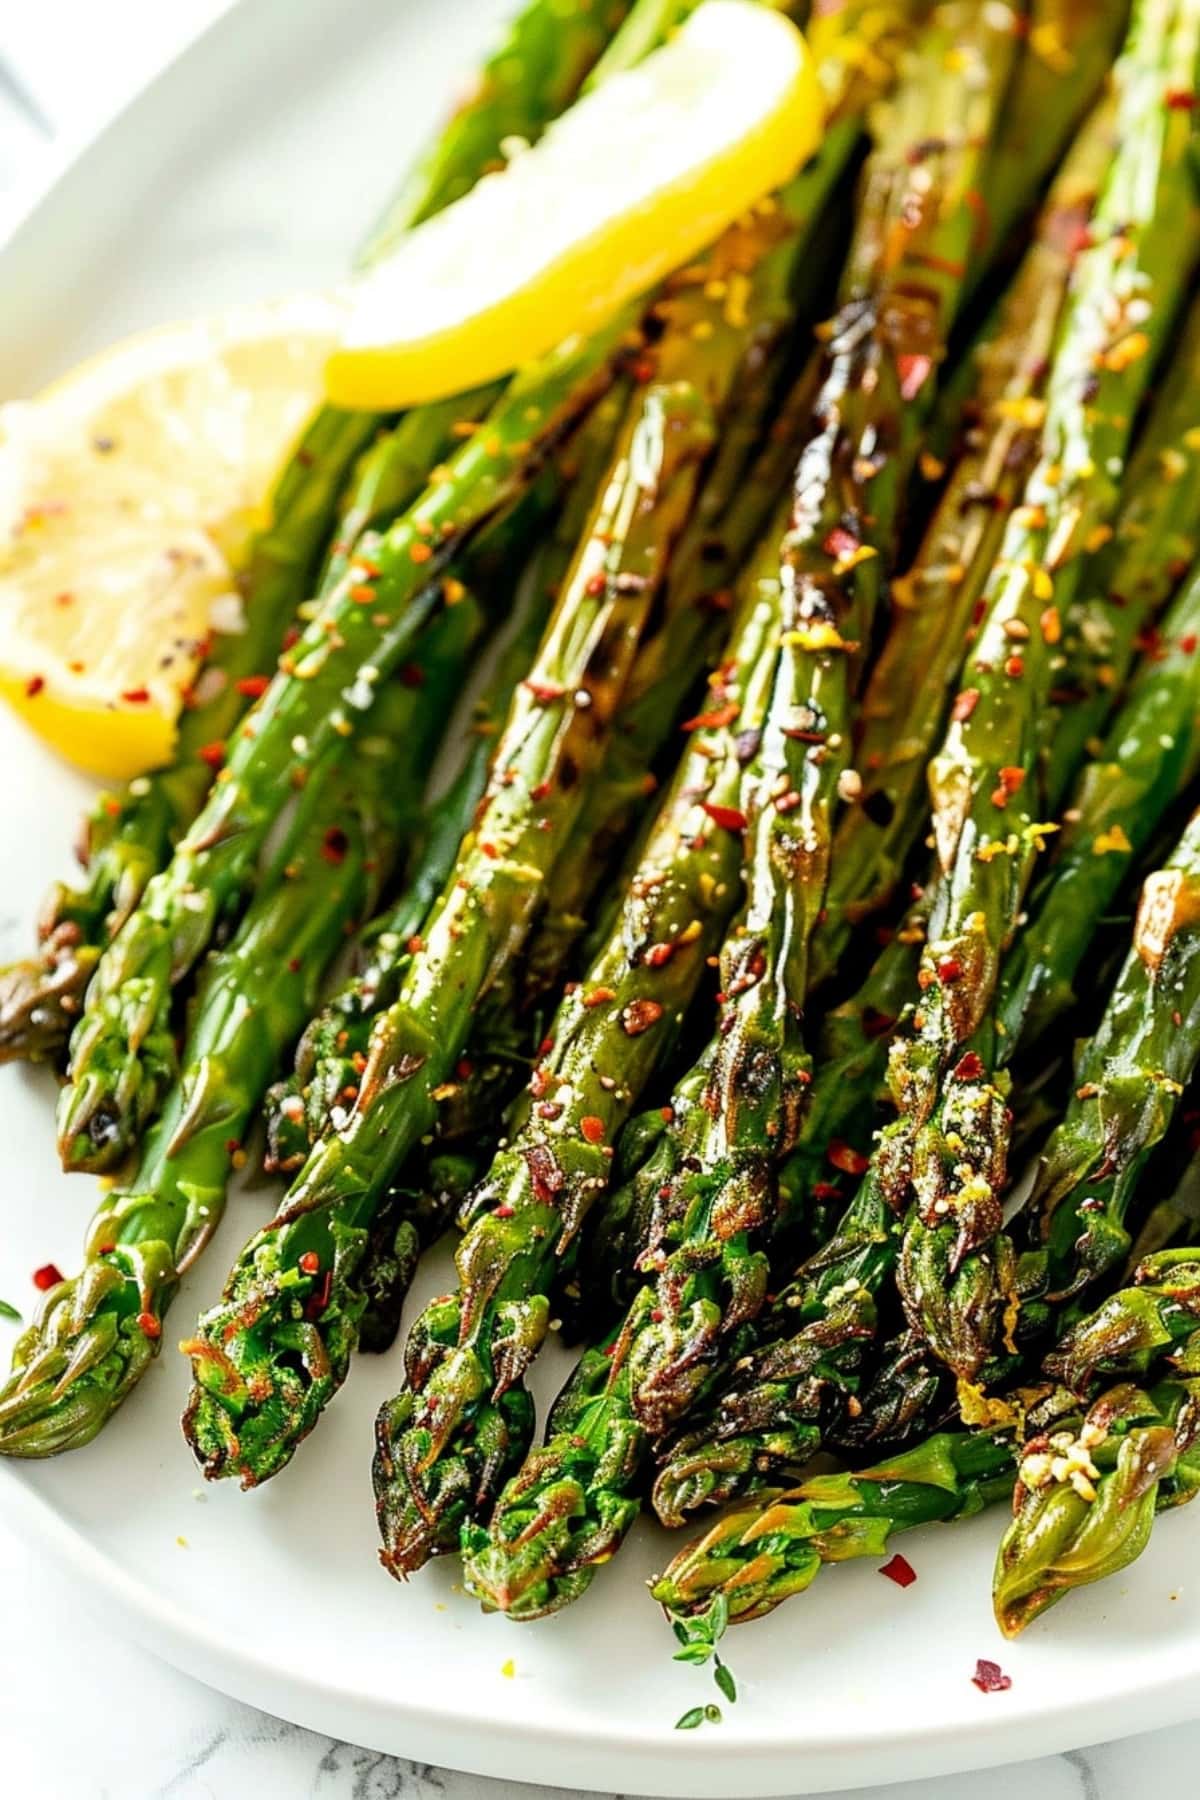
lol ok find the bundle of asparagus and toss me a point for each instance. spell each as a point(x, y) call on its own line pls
point(663, 994)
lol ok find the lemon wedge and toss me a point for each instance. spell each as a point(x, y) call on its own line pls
point(127, 492)
point(627, 185)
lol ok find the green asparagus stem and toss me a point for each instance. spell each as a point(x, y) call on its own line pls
point(98, 1331)
point(943, 1163)
point(123, 1052)
point(1129, 1078)
point(1150, 755)
point(1086, 1500)
point(760, 1555)
point(911, 687)
point(333, 1049)
point(569, 1508)
point(251, 1404)
point(1131, 1331)
point(1125, 587)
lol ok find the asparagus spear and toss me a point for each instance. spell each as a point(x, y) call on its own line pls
point(1133, 1330)
point(568, 1509)
point(908, 695)
point(1150, 755)
point(1085, 1500)
point(1156, 538)
point(251, 1405)
point(333, 1048)
point(944, 1160)
point(1128, 1081)
point(534, 74)
point(98, 1331)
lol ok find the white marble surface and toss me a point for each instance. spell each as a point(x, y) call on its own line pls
point(81, 1713)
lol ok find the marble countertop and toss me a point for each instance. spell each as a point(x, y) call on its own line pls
point(81, 1712)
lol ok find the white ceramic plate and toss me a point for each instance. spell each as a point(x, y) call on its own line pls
point(251, 167)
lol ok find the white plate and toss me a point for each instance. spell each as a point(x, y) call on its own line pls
point(251, 167)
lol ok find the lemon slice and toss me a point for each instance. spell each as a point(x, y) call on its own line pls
point(627, 185)
point(127, 492)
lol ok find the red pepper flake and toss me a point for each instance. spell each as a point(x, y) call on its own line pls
point(990, 1678)
point(1009, 781)
point(639, 1016)
point(213, 754)
point(136, 696)
point(727, 817)
point(541, 790)
point(34, 686)
point(368, 567)
point(969, 1067)
point(1014, 667)
point(667, 1114)
point(310, 1263)
point(334, 845)
point(899, 1570)
point(1180, 100)
point(965, 704)
point(592, 1128)
point(1188, 644)
point(845, 1157)
point(644, 369)
point(658, 955)
point(149, 1324)
point(826, 1190)
point(713, 721)
point(362, 593)
point(502, 1212)
point(914, 371)
point(949, 969)
point(599, 996)
point(294, 965)
point(291, 638)
point(840, 542)
point(545, 690)
point(253, 686)
point(421, 553)
point(48, 1276)
point(595, 585)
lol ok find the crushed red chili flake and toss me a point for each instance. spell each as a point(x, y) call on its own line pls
point(136, 696)
point(596, 585)
point(658, 955)
point(727, 817)
point(362, 593)
point(965, 705)
point(714, 720)
point(845, 1157)
point(149, 1324)
point(34, 686)
point(541, 790)
point(1014, 667)
point(334, 845)
point(599, 996)
point(253, 686)
point(48, 1276)
point(212, 754)
point(990, 1678)
point(825, 1190)
point(949, 969)
point(968, 1067)
point(899, 1570)
point(1180, 100)
point(840, 542)
point(914, 370)
point(639, 1016)
point(1188, 644)
point(545, 690)
point(591, 1128)
point(310, 1263)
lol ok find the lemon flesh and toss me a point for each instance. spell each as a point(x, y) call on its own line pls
point(628, 184)
point(127, 493)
